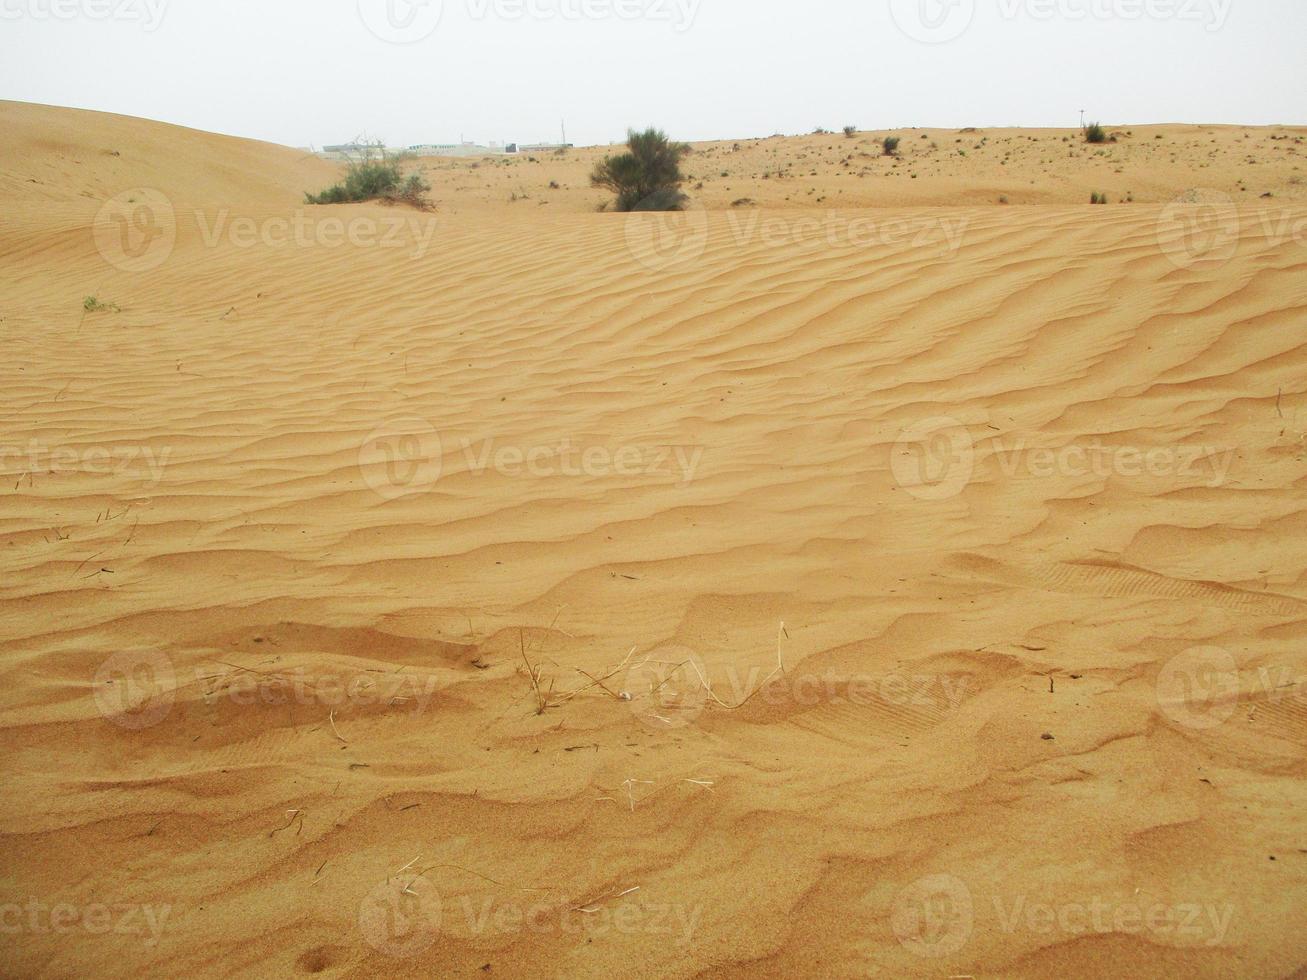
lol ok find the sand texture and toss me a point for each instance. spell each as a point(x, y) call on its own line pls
point(308, 518)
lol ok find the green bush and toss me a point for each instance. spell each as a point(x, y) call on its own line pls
point(850, 131)
point(332, 195)
point(647, 177)
point(1097, 198)
point(891, 145)
point(377, 176)
point(414, 191)
point(1095, 133)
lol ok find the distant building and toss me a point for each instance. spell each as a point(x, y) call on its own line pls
point(455, 149)
point(542, 147)
point(348, 151)
point(351, 151)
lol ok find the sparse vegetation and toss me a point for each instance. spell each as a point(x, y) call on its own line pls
point(93, 305)
point(1097, 197)
point(1095, 133)
point(850, 131)
point(890, 145)
point(648, 176)
point(376, 176)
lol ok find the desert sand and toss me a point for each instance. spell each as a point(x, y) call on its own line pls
point(865, 578)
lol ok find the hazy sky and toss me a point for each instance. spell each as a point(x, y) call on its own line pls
point(308, 72)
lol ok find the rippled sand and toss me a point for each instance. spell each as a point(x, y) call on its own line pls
point(390, 593)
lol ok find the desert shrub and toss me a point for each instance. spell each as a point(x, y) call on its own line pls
point(372, 179)
point(1097, 198)
point(332, 195)
point(850, 131)
point(414, 191)
point(376, 176)
point(647, 177)
point(663, 199)
point(1095, 133)
point(891, 145)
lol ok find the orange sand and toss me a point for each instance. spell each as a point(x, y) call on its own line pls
point(285, 521)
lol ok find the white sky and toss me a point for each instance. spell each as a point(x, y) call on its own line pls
point(308, 72)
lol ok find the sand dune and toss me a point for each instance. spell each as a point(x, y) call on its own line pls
point(290, 526)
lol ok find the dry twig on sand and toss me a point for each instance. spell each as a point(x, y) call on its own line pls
point(780, 669)
point(542, 703)
point(589, 908)
point(467, 871)
point(546, 700)
point(630, 795)
point(292, 816)
point(599, 682)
